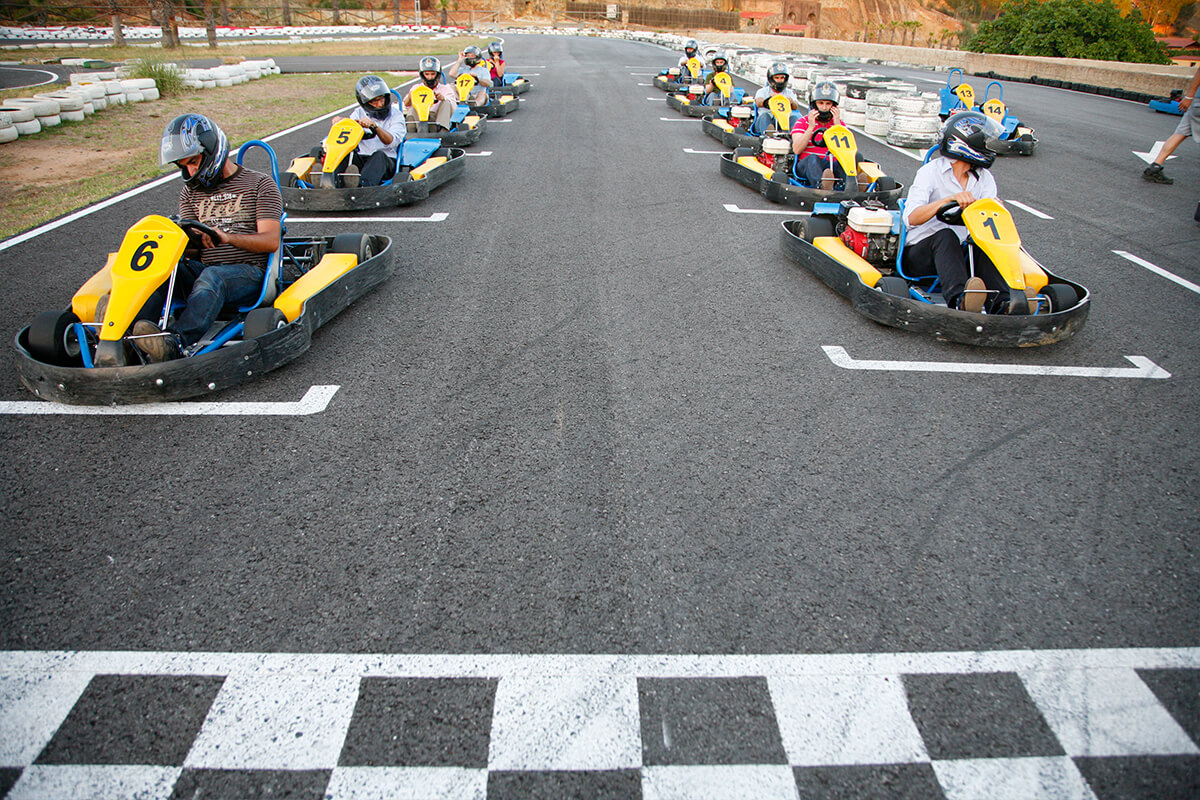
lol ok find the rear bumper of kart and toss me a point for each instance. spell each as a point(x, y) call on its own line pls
point(798, 196)
point(945, 324)
point(397, 193)
point(235, 363)
point(499, 106)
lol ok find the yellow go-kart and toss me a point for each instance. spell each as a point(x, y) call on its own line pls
point(676, 79)
point(465, 127)
point(312, 184)
point(500, 103)
point(734, 126)
point(858, 249)
point(75, 355)
point(694, 102)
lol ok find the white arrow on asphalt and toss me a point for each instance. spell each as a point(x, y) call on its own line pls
point(1143, 367)
point(315, 400)
point(733, 209)
point(1153, 154)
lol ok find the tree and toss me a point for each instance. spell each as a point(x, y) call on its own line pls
point(1069, 29)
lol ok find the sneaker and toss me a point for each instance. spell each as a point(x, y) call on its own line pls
point(350, 177)
point(101, 307)
point(974, 296)
point(1154, 174)
point(158, 345)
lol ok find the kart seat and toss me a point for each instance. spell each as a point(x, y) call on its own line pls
point(271, 274)
point(415, 151)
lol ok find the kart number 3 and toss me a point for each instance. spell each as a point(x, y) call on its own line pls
point(143, 256)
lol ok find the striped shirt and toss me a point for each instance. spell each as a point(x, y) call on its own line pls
point(235, 206)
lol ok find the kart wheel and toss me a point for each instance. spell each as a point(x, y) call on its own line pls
point(357, 243)
point(262, 321)
point(885, 184)
point(1018, 303)
point(893, 285)
point(288, 180)
point(813, 227)
point(51, 339)
point(1060, 295)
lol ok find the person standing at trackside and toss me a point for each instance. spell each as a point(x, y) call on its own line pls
point(958, 174)
point(383, 125)
point(470, 63)
point(777, 84)
point(242, 206)
point(443, 107)
point(1189, 125)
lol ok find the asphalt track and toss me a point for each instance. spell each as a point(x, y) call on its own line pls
point(590, 413)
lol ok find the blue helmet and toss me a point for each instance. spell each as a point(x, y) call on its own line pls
point(825, 90)
point(195, 135)
point(966, 135)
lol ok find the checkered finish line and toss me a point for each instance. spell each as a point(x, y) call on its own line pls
point(1094, 724)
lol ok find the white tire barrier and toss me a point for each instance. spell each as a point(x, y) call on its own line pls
point(51, 121)
point(856, 119)
point(73, 116)
point(28, 128)
point(8, 134)
point(18, 113)
point(151, 93)
point(6, 120)
point(134, 97)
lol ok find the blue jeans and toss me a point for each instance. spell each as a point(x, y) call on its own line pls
point(764, 121)
point(207, 290)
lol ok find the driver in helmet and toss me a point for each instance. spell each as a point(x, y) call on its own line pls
point(446, 98)
point(777, 80)
point(958, 174)
point(495, 57)
point(691, 49)
point(720, 63)
point(470, 62)
point(375, 156)
point(242, 206)
point(814, 165)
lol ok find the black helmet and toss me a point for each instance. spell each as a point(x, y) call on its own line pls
point(367, 89)
point(965, 138)
point(778, 68)
point(195, 135)
point(430, 64)
point(690, 47)
point(496, 47)
point(720, 55)
point(825, 90)
point(471, 55)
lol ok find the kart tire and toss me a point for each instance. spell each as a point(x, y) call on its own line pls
point(48, 338)
point(1060, 295)
point(892, 285)
point(357, 243)
point(8, 134)
point(287, 180)
point(1018, 303)
point(814, 227)
point(262, 321)
point(886, 183)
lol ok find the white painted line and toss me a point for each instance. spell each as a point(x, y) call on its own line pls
point(643, 74)
point(1025, 777)
point(1024, 207)
point(705, 152)
point(769, 781)
point(1153, 154)
point(1143, 367)
point(494, 120)
point(440, 216)
point(525, 66)
point(734, 209)
point(51, 79)
point(1157, 270)
point(315, 400)
point(657, 99)
point(678, 119)
point(502, 665)
point(930, 80)
point(645, 84)
point(83, 212)
point(480, 153)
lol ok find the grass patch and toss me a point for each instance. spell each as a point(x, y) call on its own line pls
point(168, 77)
point(77, 164)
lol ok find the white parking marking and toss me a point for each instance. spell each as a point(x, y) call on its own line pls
point(439, 216)
point(1143, 367)
point(1153, 153)
point(315, 400)
point(678, 119)
point(480, 153)
point(645, 84)
point(705, 152)
point(1157, 270)
point(1024, 207)
point(657, 99)
point(734, 209)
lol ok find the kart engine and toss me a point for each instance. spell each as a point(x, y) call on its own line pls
point(775, 149)
point(868, 232)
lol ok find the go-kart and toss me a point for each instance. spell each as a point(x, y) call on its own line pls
point(422, 165)
point(857, 249)
point(1017, 138)
point(500, 101)
point(677, 79)
point(71, 356)
point(732, 126)
point(1168, 105)
point(772, 172)
point(691, 102)
point(512, 82)
point(465, 127)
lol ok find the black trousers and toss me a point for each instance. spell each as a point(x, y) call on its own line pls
point(945, 254)
point(373, 170)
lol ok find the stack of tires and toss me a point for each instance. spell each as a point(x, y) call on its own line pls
point(879, 111)
point(8, 128)
point(914, 121)
point(854, 103)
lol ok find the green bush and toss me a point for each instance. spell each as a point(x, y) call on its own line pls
point(168, 77)
point(1069, 29)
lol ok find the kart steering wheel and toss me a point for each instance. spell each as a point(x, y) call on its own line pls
point(194, 228)
point(951, 213)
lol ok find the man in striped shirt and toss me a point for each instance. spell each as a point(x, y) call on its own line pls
point(243, 207)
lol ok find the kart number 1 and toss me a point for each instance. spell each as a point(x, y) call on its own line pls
point(991, 224)
point(143, 256)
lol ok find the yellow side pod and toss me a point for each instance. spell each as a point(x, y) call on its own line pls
point(427, 167)
point(84, 301)
point(331, 267)
point(750, 162)
point(836, 249)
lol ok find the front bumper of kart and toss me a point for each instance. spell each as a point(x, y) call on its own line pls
point(798, 196)
point(396, 193)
